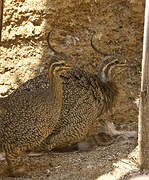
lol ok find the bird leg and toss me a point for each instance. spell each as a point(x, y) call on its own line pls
point(10, 157)
point(10, 167)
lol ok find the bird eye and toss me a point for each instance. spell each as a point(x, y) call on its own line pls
point(116, 61)
point(63, 64)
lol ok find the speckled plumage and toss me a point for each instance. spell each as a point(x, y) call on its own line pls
point(86, 96)
point(84, 99)
point(27, 118)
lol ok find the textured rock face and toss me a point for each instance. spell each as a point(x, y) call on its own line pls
point(25, 54)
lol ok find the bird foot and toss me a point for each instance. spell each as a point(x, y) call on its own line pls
point(124, 138)
point(19, 172)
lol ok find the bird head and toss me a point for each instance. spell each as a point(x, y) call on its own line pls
point(58, 67)
point(111, 67)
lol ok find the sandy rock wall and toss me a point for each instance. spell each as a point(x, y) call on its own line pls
point(25, 53)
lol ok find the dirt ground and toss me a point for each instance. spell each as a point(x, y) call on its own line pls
point(24, 54)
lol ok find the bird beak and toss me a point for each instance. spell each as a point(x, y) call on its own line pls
point(67, 67)
point(123, 66)
point(126, 64)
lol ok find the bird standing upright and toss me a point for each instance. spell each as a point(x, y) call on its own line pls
point(27, 119)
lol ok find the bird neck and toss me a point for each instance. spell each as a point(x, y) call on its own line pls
point(110, 94)
point(55, 89)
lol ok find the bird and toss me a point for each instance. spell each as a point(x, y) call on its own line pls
point(28, 118)
point(86, 97)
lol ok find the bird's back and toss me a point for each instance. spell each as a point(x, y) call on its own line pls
point(78, 88)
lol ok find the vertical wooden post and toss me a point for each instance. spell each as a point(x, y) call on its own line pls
point(143, 134)
point(1, 17)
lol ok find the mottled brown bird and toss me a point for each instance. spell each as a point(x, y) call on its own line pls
point(28, 118)
point(86, 96)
